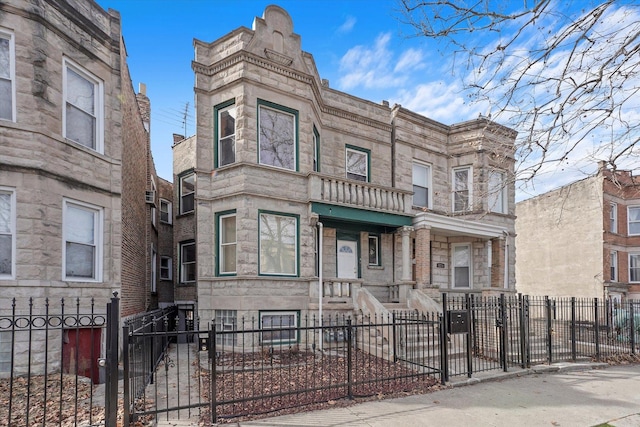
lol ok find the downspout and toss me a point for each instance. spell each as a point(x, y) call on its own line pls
point(320, 290)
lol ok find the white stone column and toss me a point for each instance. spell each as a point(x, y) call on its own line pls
point(406, 253)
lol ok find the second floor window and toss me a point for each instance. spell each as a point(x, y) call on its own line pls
point(187, 193)
point(497, 192)
point(277, 137)
point(357, 161)
point(165, 211)
point(83, 108)
point(613, 217)
point(226, 133)
point(7, 77)
point(421, 185)
point(461, 189)
point(633, 220)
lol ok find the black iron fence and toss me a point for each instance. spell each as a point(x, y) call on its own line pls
point(49, 370)
point(59, 361)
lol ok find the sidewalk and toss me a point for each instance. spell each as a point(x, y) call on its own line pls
point(573, 395)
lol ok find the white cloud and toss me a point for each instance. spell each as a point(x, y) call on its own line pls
point(370, 67)
point(347, 25)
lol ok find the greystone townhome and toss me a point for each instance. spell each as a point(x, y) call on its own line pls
point(294, 198)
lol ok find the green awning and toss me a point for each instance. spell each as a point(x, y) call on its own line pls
point(362, 216)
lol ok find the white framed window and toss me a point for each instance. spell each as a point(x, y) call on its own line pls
point(227, 243)
point(154, 270)
point(166, 270)
point(279, 327)
point(633, 220)
point(421, 185)
point(613, 218)
point(83, 112)
point(357, 163)
point(614, 266)
point(634, 267)
point(7, 233)
point(277, 137)
point(461, 181)
point(154, 212)
point(226, 133)
point(278, 245)
point(374, 249)
point(187, 262)
point(187, 193)
point(226, 321)
point(82, 248)
point(7, 76)
point(166, 211)
point(497, 197)
point(461, 264)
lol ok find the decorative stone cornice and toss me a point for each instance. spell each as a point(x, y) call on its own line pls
point(278, 57)
point(280, 68)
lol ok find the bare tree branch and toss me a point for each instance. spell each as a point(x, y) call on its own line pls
point(565, 75)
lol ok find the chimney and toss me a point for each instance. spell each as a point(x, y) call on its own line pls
point(144, 105)
point(177, 138)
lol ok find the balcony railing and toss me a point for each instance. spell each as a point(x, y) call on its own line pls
point(359, 194)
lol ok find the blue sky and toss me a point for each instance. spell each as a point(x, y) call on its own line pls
point(360, 46)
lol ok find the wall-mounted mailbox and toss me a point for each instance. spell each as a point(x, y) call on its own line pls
point(204, 343)
point(457, 321)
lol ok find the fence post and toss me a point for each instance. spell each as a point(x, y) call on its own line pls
point(504, 336)
point(126, 391)
point(523, 331)
point(111, 362)
point(632, 325)
point(395, 341)
point(444, 348)
point(468, 337)
point(573, 329)
point(597, 328)
point(213, 375)
point(549, 330)
point(349, 361)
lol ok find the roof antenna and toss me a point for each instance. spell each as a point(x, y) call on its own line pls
point(184, 118)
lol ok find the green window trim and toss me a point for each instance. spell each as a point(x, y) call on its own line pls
point(216, 111)
point(295, 114)
point(296, 273)
point(365, 151)
point(218, 216)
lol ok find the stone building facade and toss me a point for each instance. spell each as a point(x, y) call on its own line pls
point(297, 198)
point(582, 239)
point(75, 163)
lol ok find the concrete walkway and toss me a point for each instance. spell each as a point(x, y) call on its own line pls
point(574, 395)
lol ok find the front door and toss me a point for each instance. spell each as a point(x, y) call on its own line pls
point(347, 259)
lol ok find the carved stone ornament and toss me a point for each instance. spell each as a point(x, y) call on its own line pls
point(278, 57)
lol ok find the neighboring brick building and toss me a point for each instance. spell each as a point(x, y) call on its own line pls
point(75, 161)
point(582, 239)
point(290, 183)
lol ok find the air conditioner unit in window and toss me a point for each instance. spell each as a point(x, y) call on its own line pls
point(150, 197)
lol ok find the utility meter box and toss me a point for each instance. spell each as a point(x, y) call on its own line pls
point(457, 321)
